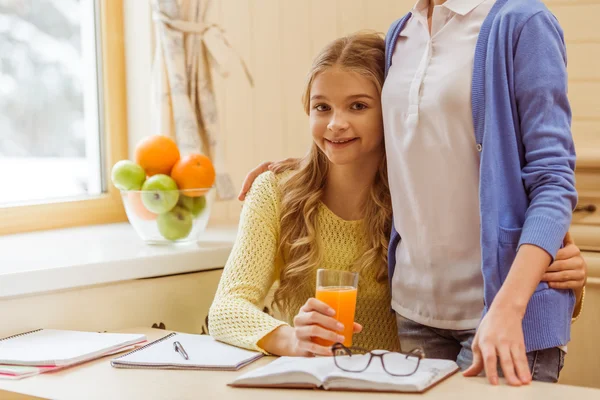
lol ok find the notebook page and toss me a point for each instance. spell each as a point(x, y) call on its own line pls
point(60, 347)
point(202, 351)
point(290, 370)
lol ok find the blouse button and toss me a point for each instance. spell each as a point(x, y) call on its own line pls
point(479, 147)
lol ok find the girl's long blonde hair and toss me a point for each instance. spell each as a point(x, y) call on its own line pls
point(363, 53)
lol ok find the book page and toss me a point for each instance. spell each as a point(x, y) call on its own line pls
point(375, 378)
point(290, 370)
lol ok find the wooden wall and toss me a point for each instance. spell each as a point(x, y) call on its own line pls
point(278, 39)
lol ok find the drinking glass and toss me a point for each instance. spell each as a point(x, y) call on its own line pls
point(338, 290)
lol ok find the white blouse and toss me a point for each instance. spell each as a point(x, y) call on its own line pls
point(433, 166)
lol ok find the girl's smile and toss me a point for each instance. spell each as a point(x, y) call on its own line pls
point(338, 144)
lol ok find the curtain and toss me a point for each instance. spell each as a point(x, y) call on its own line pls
point(188, 50)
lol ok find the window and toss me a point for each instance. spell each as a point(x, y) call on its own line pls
point(62, 112)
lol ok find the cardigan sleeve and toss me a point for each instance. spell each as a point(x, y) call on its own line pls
point(540, 82)
point(236, 315)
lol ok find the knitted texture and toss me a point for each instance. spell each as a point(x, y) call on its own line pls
point(236, 315)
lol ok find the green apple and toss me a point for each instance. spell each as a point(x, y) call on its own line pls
point(175, 224)
point(127, 175)
point(160, 194)
point(195, 205)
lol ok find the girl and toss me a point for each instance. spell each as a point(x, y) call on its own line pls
point(480, 157)
point(316, 217)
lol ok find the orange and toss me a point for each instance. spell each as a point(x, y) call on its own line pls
point(135, 201)
point(157, 154)
point(194, 171)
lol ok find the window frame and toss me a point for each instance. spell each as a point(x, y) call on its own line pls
point(106, 207)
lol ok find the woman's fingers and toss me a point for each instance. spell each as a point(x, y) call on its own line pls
point(575, 285)
point(564, 276)
point(251, 177)
point(490, 363)
point(563, 265)
point(569, 251)
point(477, 365)
point(508, 367)
point(568, 239)
point(521, 364)
point(357, 327)
point(570, 273)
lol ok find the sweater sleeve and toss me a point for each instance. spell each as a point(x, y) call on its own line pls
point(545, 121)
point(236, 315)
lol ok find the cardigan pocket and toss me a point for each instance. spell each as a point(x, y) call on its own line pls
point(508, 241)
point(509, 235)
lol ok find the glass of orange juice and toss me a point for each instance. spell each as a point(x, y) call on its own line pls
point(338, 290)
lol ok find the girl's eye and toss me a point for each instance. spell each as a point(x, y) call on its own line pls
point(359, 106)
point(321, 107)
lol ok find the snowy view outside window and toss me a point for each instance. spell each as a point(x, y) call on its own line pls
point(50, 131)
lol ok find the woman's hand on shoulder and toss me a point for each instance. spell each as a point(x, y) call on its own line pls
point(276, 167)
point(569, 269)
point(251, 177)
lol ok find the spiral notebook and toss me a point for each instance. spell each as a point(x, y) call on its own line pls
point(204, 353)
point(52, 347)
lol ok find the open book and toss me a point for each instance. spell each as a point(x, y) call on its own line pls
point(299, 372)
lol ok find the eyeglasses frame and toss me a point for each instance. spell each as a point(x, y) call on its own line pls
point(416, 352)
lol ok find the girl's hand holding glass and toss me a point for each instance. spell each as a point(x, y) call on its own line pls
point(316, 320)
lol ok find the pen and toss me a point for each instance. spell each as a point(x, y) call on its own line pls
point(179, 349)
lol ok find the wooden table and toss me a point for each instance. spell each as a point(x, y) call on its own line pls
point(98, 380)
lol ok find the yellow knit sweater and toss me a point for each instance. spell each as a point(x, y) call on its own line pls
point(236, 315)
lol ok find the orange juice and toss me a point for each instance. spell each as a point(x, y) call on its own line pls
point(343, 300)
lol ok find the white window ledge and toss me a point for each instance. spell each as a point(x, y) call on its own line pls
point(38, 262)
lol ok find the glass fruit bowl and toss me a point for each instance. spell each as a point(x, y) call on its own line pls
point(168, 216)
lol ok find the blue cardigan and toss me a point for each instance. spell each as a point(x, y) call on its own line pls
point(522, 121)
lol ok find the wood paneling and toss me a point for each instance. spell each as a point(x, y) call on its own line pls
point(578, 19)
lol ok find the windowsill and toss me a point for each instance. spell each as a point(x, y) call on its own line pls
point(38, 262)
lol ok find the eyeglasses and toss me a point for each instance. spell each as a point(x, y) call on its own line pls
point(355, 359)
